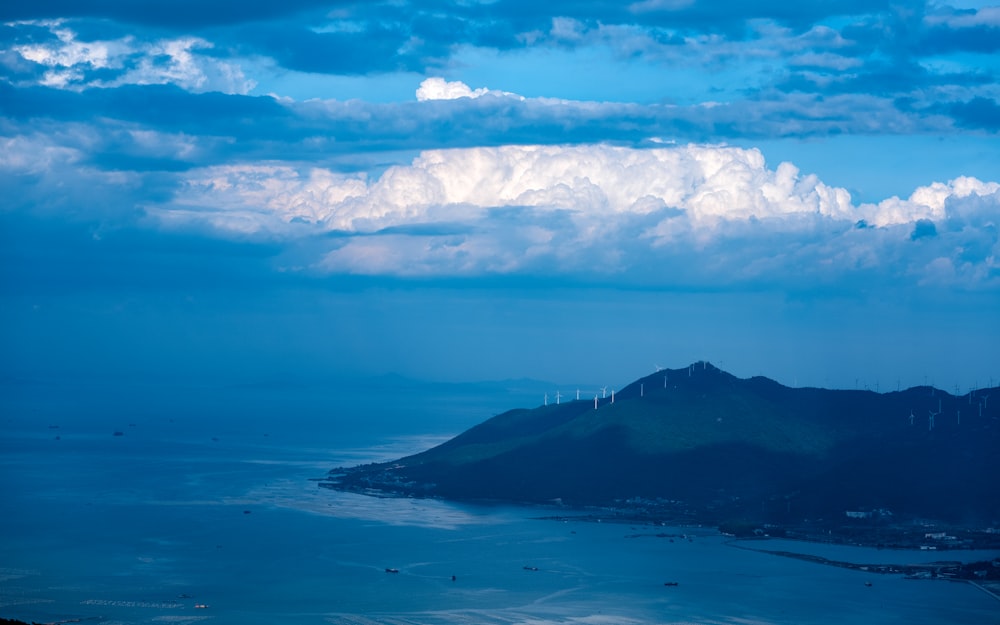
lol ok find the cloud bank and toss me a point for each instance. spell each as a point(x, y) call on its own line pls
point(685, 215)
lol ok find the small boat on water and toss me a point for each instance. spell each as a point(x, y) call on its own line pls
point(530, 568)
point(201, 606)
point(392, 570)
point(671, 583)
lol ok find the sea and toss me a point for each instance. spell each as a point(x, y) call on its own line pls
point(136, 503)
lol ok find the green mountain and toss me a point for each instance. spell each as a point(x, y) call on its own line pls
point(703, 440)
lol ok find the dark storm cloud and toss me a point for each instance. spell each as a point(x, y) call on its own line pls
point(978, 113)
point(727, 14)
point(373, 49)
point(980, 39)
point(162, 13)
point(162, 107)
point(214, 127)
point(883, 79)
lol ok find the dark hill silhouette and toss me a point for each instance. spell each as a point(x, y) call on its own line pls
point(713, 441)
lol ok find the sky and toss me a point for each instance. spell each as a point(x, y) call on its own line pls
point(578, 192)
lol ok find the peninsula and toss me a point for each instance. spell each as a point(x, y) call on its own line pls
point(700, 445)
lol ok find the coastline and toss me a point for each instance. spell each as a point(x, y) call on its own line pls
point(952, 570)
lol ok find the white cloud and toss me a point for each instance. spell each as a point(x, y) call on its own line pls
point(436, 88)
point(166, 61)
point(985, 16)
point(710, 183)
point(659, 5)
point(598, 209)
point(930, 202)
point(22, 155)
point(827, 60)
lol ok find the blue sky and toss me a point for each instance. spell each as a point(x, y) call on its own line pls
point(572, 191)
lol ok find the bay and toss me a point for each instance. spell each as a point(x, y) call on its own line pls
point(206, 499)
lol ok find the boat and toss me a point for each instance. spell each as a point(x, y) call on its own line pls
point(530, 568)
point(671, 583)
point(392, 570)
point(201, 606)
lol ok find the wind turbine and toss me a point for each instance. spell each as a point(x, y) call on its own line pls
point(657, 367)
point(595, 401)
point(577, 394)
point(546, 399)
point(930, 420)
point(604, 390)
point(612, 396)
point(911, 417)
point(641, 390)
point(558, 397)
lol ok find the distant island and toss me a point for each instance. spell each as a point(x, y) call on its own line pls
point(699, 445)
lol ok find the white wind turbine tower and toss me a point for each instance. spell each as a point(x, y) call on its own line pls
point(641, 390)
point(558, 397)
point(546, 399)
point(911, 417)
point(577, 394)
point(604, 390)
point(930, 420)
point(612, 396)
point(595, 401)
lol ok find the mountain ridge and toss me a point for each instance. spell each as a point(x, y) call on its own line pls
point(714, 442)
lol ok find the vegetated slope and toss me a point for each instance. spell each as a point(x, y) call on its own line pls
point(710, 440)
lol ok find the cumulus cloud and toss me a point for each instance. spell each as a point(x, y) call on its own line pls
point(635, 214)
point(440, 89)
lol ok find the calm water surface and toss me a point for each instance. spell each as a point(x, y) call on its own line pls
point(207, 499)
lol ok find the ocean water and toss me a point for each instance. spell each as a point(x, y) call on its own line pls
point(206, 498)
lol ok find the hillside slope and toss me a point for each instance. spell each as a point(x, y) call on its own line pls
point(708, 440)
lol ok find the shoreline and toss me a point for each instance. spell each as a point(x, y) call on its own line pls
point(949, 571)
